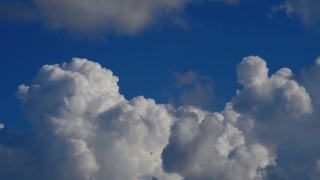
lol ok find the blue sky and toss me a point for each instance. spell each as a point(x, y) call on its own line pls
point(181, 52)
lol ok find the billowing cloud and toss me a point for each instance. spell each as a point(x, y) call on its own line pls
point(307, 10)
point(85, 129)
point(204, 145)
point(280, 112)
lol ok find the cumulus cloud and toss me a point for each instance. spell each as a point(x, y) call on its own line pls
point(85, 129)
point(307, 10)
point(204, 146)
point(280, 112)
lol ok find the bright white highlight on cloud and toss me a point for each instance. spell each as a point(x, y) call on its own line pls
point(91, 131)
point(85, 129)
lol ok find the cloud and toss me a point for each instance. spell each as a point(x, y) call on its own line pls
point(273, 120)
point(315, 171)
point(280, 112)
point(194, 89)
point(125, 16)
point(17, 11)
point(96, 17)
point(307, 10)
point(85, 129)
point(204, 146)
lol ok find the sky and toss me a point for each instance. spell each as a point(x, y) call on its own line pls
point(162, 89)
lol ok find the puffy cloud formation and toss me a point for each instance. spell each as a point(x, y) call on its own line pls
point(281, 113)
point(85, 129)
point(203, 145)
point(96, 16)
point(307, 10)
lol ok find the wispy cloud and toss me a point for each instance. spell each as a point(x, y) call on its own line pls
point(307, 10)
point(98, 17)
point(193, 89)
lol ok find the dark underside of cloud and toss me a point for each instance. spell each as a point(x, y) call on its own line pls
point(85, 129)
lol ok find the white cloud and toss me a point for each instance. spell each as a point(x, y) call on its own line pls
point(262, 94)
point(124, 16)
point(92, 132)
point(85, 129)
point(204, 147)
point(280, 112)
point(95, 17)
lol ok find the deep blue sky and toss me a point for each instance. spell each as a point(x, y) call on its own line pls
point(218, 37)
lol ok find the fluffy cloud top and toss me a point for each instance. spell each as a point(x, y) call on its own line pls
point(203, 145)
point(85, 129)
